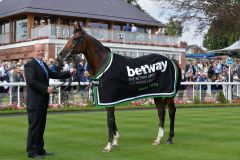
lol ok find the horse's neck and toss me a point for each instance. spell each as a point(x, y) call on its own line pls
point(96, 55)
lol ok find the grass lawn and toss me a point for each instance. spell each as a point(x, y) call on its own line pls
point(200, 134)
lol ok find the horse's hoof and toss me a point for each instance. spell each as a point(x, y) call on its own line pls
point(106, 150)
point(169, 142)
point(114, 145)
point(156, 142)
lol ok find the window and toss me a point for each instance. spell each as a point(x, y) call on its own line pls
point(116, 27)
point(20, 29)
point(98, 25)
point(4, 28)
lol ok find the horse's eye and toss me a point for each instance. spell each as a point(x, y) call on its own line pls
point(75, 38)
point(75, 41)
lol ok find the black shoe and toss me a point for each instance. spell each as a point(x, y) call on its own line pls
point(37, 156)
point(46, 154)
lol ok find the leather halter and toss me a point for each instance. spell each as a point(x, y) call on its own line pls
point(76, 42)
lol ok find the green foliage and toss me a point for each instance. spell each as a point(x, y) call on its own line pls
point(221, 98)
point(174, 27)
point(217, 38)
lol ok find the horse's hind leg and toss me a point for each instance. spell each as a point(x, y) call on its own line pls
point(160, 105)
point(172, 112)
point(113, 134)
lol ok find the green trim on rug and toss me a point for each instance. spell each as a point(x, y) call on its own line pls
point(96, 94)
point(110, 55)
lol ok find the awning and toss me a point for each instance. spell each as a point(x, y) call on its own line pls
point(200, 55)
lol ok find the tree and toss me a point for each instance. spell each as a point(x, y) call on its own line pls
point(174, 27)
point(222, 16)
point(205, 12)
point(217, 38)
point(135, 3)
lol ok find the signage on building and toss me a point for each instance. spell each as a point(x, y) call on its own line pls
point(66, 33)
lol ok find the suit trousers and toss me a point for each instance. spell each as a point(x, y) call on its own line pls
point(36, 127)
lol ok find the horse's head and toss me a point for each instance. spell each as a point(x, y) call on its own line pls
point(74, 46)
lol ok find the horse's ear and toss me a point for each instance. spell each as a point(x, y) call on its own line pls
point(77, 26)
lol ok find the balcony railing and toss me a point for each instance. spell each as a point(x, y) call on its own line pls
point(64, 32)
point(4, 39)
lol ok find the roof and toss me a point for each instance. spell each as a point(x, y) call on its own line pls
point(112, 10)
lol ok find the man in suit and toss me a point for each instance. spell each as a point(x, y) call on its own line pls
point(37, 76)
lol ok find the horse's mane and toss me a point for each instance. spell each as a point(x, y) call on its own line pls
point(99, 43)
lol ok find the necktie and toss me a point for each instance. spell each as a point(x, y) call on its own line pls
point(42, 65)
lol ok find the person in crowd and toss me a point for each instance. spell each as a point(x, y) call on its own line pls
point(86, 78)
point(17, 77)
point(127, 28)
point(211, 71)
point(4, 69)
point(36, 23)
point(202, 77)
point(52, 65)
point(37, 76)
point(189, 88)
point(218, 69)
point(133, 28)
point(42, 22)
point(66, 66)
point(48, 21)
point(2, 89)
point(182, 87)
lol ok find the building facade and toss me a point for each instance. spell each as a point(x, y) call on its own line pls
point(27, 22)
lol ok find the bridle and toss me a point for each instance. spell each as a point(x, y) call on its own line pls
point(71, 54)
point(76, 42)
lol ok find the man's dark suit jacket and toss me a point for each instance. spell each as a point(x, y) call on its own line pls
point(37, 84)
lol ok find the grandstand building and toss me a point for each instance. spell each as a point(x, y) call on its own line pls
point(24, 23)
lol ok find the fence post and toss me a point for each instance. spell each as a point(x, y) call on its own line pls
point(10, 92)
point(59, 95)
point(18, 91)
point(193, 92)
point(237, 90)
point(200, 93)
point(51, 98)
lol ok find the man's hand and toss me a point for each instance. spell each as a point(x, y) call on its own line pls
point(72, 71)
point(50, 90)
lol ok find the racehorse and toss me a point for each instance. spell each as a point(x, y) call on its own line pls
point(97, 56)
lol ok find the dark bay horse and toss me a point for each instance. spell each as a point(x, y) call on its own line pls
point(97, 56)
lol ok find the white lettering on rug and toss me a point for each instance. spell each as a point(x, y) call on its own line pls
point(147, 69)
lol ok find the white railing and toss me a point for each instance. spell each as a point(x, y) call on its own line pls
point(230, 89)
point(4, 38)
point(15, 92)
point(65, 31)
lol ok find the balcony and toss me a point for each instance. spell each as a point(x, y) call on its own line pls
point(4, 38)
point(104, 35)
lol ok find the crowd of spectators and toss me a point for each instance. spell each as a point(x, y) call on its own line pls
point(194, 71)
point(13, 71)
point(207, 71)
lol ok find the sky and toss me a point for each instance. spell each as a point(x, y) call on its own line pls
point(162, 14)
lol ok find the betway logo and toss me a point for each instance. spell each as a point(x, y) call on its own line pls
point(146, 69)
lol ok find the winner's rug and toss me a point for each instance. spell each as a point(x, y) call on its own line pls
point(124, 78)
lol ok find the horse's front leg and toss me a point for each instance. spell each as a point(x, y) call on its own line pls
point(160, 105)
point(113, 134)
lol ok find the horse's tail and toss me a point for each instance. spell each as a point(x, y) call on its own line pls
point(179, 74)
